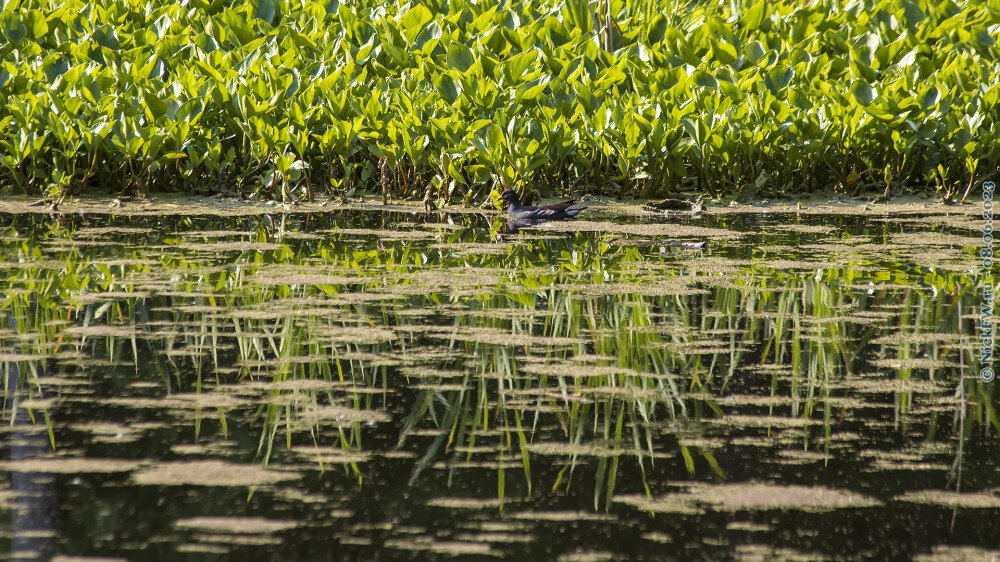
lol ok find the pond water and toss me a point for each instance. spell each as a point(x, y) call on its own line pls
point(372, 384)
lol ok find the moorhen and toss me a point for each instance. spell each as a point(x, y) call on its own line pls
point(554, 212)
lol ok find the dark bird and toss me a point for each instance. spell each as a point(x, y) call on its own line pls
point(554, 212)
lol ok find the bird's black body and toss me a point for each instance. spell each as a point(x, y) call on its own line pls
point(554, 212)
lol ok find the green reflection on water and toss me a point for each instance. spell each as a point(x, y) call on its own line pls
point(567, 364)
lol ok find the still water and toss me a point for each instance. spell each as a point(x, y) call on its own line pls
point(379, 384)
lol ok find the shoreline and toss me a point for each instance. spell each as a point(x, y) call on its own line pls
point(170, 203)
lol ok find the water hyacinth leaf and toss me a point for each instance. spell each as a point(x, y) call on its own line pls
point(497, 140)
point(172, 106)
point(863, 92)
point(54, 66)
point(447, 86)
point(162, 25)
point(907, 59)
point(912, 14)
point(657, 29)
point(207, 43)
point(861, 64)
point(704, 80)
point(34, 21)
point(428, 38)
point(265, 10)
point(723, 52)
point(929, 97)
point(516, 66)
point(754, 17)
point(676, 166)
point(494, 43)
point(695, 128)
point(106, 36)
point(157, 107)
point(777, 79)
point(982, 40)
point(511, 20)
point(156, 68)
point(611, 76)
point(460, 57)
point(12, 27)
point(416, 17)
point(754, 51)
point(533, 89)
point(961, 142)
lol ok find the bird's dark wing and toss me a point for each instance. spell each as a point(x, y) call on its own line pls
point(539, 213)
point(558, 211)
point(559, 206)
point(552, 214)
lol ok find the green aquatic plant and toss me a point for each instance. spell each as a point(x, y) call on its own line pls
point(290, 99)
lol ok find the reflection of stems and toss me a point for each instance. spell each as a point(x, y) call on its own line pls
point(32, 523)
point(957, 467)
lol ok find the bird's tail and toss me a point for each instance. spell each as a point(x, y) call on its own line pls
point(575, 211)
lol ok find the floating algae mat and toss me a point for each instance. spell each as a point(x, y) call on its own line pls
point(359, 384)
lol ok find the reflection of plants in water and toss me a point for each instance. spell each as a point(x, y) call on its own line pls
point(605, 348)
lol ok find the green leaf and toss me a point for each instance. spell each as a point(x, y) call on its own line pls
point(754, 17)
point(265, 10)
point(982, 39)
point(657, 29)
point(754, 51)
point(13, 28)
point(704, 79)
point(417, 16)
point(446, 85)
point(516, 66)
point(533, 91)
point(863, 93)
point(157, 107)
point(206, 43)
point(460, 57)
point(35, 22)
point(929, 97)
point(106, 36)
point(496, 138)
point(778, 78)
point(54, 66)
point(723, 52)
point(912, 14)
point(908, 59)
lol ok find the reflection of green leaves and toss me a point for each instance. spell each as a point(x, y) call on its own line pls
point(644, 391)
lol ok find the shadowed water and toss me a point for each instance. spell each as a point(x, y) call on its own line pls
point(374, 385)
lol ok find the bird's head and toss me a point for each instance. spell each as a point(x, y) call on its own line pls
point(509, 196)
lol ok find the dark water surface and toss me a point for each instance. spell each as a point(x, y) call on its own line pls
point(373, 385)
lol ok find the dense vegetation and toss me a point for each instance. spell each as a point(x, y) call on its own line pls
point(298, 98)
